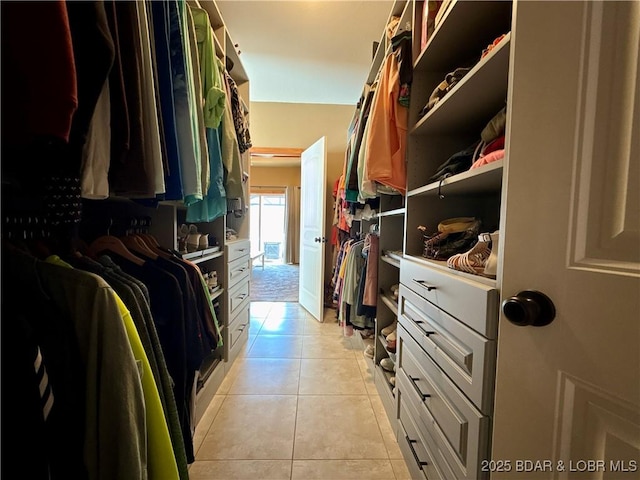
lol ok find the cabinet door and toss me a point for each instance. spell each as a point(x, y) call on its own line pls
point(570, 390)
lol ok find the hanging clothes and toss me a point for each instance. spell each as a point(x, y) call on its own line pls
point(161, 38)
point(214, 98)
point(231, 150)
point(120, 401)
point(386, 141)
point(184, 104)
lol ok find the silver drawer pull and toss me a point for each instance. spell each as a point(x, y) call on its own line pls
point(415, 385)
point(242, 297)
point(423, 283)
point(415, 455)
point(242, 249)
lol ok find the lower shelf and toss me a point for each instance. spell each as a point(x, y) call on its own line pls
point(208, 388)
point(385, 390)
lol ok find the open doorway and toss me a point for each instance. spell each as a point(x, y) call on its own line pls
point(268, 221)
point(274, 226)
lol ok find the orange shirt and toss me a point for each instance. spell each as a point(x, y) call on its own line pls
point(387, 140)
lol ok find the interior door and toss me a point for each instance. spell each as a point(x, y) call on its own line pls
point(313, 176)
point(570, 391)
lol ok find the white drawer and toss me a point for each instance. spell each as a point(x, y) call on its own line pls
point(473, 303)
point(459, 430)
point(413, 449)
point(237, 296)
point(467, 357)
point(237, 270)
point(237, 248)
point(238, 326)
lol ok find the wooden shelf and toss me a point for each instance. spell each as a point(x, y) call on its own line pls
point(390, 260)
point(485, 179)
point(442, 265)
point(203, 255)
point(464, 108)
point(481, 23)
point(389, 302)
point(217, 293)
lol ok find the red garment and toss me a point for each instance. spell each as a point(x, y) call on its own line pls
point(494, 145)
point(39, 88)
point(486, 159)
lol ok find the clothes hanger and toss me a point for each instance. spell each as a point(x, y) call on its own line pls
point(114, 244)
point(134, 243)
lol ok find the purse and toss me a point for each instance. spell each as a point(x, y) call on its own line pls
point(455, 235)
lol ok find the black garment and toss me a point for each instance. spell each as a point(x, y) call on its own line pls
point(203, 301)
point(93, 52)
point(197, 348)
point(457, 163)
point(239, 119)
point(168, 316)
point(401, 44)
point(39, 448)
point(352, 181)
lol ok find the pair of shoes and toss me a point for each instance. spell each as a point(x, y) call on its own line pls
point(368, 352)
point(482, 259)
point(194, 240)
point(389, 328)
point(388, 365)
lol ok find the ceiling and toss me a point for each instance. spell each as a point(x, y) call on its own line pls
point(306, 51)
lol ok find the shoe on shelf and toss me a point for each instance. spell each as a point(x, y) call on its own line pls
point(203, 241)
point(193, 239)
point(388, 365)
point(479, 257)
point(389, 328)
point(391, 342)
point(368, 352)
point(392, 380)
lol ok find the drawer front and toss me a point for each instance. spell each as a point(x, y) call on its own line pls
point(413, 449)
point(238, 326)
point(472, 303)
point(468, 358)
point(237, 296)
point(237, 270)
point(237, 249)
point(458, 429)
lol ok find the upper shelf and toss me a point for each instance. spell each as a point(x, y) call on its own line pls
point(475, 99)
point(485, 179)
point(466, 28)
point(399, 9)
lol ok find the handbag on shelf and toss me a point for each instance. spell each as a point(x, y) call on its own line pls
point(454, 235)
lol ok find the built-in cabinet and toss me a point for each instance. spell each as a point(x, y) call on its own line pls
point(440, 402)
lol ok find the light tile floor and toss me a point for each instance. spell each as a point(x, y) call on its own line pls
point(298, 404)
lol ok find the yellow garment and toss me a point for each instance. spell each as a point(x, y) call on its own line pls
point(161, 460)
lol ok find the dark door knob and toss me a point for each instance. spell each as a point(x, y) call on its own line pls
point(317, 239)
point(529, 307)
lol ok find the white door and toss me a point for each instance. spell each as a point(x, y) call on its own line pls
point(313, 174)
point(570, 391)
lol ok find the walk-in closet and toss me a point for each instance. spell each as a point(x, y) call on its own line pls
point(476, 251)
